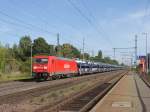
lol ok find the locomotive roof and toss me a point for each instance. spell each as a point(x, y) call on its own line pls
point(64, 58)
point(44, 56)
point(40, 56)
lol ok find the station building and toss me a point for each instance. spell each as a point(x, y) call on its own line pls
point(142, 63)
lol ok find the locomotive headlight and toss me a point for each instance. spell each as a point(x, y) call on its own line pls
point(35, 67)
point(45, 67)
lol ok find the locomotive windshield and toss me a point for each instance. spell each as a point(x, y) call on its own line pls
point(41, 60)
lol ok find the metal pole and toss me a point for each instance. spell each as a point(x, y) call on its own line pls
point(80, 53)
point(146, 55)
point(114, 53)
point(131, 63)
point(135, 50)
point(58, 45)
point(31, 58)
point(83, 48)
point(122, 59)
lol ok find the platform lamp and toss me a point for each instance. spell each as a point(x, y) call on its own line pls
point(31, 56)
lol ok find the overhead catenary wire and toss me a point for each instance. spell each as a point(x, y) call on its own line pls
point(67, 24)
point(146, 11)
point(25, 23)
point(144, 16)
point(16, 24)
point(88, 20)
point(44, 21)
point(94, 19)
point(22, 23)
point(57, 17)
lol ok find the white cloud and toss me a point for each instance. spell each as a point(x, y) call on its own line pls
point(137, 16)
point(122, 29)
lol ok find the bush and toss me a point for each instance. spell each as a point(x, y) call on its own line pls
point(148, 72)
point(26, 66)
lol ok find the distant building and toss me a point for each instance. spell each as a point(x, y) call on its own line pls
point(148, 61)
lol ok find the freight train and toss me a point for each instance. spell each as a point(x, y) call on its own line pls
point(52, 67)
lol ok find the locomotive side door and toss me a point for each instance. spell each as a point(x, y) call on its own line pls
point(52, 67)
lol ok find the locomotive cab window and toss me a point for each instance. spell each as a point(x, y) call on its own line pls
point(41, 60)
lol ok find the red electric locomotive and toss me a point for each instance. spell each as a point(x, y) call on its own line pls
point(51, 67)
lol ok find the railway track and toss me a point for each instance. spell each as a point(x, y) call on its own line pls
point(18, 86)
point(140, 97)
point(45, 87)
point(86, 99)
point(14, 87)
point(145, 79)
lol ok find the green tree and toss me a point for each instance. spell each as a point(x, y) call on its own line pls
point(52, 50)
point(86, 56)
point(3, 52)
point(107, 59)
point(21, 54)
point(15, 51)
point(122, 64)
point(98, 58)
point(115, 62)
point(100, 55)
point(7, 61)
point(110, 61)
point(69, 51)
point(24, 48)
point(40, 46)
point(66, 50)
point(76, 52)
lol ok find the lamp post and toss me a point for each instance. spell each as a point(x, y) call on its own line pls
point(146, 51)
point(31, 57)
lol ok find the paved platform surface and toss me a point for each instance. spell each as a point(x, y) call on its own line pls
point(129, 95)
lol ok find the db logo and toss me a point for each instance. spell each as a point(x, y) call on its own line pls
point(66, 66)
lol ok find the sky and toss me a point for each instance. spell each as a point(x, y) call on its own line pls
point(104, 24)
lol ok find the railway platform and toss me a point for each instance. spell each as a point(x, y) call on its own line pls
point(130, 94)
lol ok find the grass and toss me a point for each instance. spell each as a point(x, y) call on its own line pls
point(56, 95)
point(14, 76)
